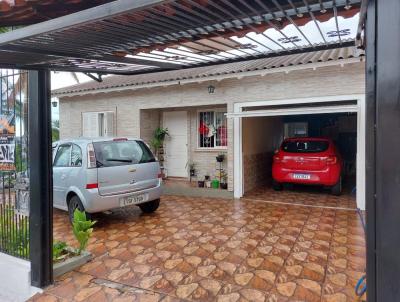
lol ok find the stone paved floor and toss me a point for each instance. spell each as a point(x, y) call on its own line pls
point(198, 249)
point(304, 195)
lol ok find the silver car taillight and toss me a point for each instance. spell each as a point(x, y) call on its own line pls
point(91, 156)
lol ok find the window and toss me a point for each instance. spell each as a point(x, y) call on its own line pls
point(296, 129)
point(119, 153)
point(63, 156)
point(98, 124)
point(212, 129)
point(76, 156)
point(304, 146)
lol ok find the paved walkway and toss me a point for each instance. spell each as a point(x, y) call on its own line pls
point(199, 249)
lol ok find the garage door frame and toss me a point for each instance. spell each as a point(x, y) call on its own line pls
point(359, 108)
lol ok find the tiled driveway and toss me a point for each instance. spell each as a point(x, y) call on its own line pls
point(197, 249)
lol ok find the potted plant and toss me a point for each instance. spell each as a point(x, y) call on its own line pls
point(215, 183)
point(192, 169)
point(200, 183)
point(66, 258)
point(224, 177)
point(220, 158)
point(157, 143)
point(207, 181)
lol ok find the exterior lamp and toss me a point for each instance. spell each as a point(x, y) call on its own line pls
point(54, 103)
point(211, 89)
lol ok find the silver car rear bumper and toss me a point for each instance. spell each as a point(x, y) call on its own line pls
point(94, 203)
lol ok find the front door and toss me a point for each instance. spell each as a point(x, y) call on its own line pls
point(175, 149)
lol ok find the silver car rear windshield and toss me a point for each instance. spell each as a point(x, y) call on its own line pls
point(121, 153)
point(303, 146)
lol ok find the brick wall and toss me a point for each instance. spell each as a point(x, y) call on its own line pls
point(324, 81)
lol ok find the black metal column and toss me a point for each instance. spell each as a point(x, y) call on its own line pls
point(383, 103)
point(41, 178)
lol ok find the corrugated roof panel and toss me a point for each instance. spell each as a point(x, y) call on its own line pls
point(209, 71)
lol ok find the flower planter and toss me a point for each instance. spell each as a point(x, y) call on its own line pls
point(70, 264)
point(215, 184)
point(224, 186)
point(220, 158)
point(200, 183)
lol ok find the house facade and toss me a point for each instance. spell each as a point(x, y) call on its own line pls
point(201, 106)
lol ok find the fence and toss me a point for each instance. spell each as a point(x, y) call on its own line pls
point(14, 163)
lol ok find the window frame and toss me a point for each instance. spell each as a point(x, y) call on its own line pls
point(103, 126)
point(215, 148)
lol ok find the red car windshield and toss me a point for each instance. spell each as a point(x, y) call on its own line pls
point(305, 146)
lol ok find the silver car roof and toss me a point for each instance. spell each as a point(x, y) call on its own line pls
point(85, 140)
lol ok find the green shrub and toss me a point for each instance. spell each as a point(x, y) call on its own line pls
point(59, 250)
point(82, 229)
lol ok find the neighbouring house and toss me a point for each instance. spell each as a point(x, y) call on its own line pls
point(242, 110)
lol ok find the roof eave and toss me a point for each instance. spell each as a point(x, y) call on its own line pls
point(238, 75)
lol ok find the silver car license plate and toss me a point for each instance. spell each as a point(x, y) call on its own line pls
point(301, 176)
point(135, 199)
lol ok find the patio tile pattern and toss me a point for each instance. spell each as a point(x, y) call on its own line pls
point(304, 196)
point(199, 249)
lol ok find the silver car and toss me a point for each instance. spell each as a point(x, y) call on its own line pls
point(97, 175)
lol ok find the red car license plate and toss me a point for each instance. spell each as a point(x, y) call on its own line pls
point(301, 176)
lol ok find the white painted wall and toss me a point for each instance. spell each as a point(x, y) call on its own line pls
point(310, 82)
point(15, 279)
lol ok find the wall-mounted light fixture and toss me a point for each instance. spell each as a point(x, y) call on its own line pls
point(211, 89)
point(54, 103)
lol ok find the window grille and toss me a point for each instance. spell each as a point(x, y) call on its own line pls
point(212, 129)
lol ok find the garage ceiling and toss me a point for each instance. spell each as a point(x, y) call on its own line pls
point(131, 37)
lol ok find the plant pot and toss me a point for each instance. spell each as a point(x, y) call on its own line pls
point(215, 184)
point(200, 183)
point(71, 263)
point(220, 158)
point(207, 183)
point(223, 186)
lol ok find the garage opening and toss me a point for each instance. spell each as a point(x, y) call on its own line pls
point(265, 136)
point(303, 154)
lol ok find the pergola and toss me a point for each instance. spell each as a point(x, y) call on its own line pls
point(133, 37)
point(129, 37)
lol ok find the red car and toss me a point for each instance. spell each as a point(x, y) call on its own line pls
point(307, 160)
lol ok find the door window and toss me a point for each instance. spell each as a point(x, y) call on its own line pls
point(63, 156)
point(76, 156)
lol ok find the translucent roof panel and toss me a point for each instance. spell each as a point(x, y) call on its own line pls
point(143, 36)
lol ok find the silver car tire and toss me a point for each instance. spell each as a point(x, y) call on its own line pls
point(150, 206)
point(73, 204)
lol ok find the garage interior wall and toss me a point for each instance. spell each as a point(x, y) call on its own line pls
point(261, 137)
